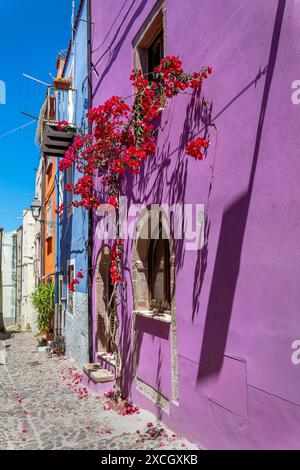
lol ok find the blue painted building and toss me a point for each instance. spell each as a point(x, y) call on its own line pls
point(72, 226)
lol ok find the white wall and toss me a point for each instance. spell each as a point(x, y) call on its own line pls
point(37, 231)
point(9, 277)
point(28, 316)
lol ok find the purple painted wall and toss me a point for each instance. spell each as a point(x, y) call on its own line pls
point(238, 299)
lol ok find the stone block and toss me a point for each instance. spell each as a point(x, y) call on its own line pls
point(102, 375)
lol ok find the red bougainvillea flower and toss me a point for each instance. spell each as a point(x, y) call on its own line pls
point(196, 147)
point(122, 138)
point(59, 210)
point(69, 187)
point(115, 265)
point(62, 125)
point(72, 284)
point(75, 281)
point(113, 201)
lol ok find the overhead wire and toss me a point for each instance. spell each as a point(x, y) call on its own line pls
point(17, 129)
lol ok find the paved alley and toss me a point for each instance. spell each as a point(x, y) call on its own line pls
point(43, 405)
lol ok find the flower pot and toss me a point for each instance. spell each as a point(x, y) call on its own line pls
point(49, 336)
point(62, 84)
point(43, 334)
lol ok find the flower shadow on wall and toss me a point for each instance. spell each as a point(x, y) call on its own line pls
point(229, 250)
point(168, 186)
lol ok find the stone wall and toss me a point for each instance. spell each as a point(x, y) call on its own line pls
point(76, 330)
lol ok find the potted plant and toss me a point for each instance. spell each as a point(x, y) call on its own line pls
point(62, 83)
point(43, 301)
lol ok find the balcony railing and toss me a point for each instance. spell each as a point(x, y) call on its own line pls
point(52, 141)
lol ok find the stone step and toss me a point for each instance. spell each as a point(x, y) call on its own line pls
point(102, 376)
point(107, 357)
point(90, 367)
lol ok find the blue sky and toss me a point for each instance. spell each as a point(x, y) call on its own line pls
point(32, 32)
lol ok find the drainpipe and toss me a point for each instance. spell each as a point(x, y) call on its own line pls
point(90, 213)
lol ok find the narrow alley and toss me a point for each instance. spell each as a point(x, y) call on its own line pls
point(43, 405)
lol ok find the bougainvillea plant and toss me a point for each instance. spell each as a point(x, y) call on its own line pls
point(115, 263)
point(122, 137)
point(196, 148)
point(75, 281)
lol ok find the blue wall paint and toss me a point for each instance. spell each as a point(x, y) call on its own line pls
point(72, 239)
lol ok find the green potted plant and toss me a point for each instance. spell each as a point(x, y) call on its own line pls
point(43, 301)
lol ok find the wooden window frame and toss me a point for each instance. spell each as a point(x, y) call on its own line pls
point(154, 25)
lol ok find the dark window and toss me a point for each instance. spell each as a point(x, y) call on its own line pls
point(111, 313)
point(155, 53)
point(159, 273)
point(108, 326)
point(71, 273)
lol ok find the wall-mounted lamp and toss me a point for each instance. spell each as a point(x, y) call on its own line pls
point(36, 207)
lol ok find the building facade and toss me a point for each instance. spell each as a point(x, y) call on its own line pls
point(19, 276)
point(218, 367)
point(38, 231)
point(45, 189)
point(72, 317)
point(48, 220)
point(9, 272)
point(28, 314)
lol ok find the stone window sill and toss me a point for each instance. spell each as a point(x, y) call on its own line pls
point(163, 317)
point(110, 358)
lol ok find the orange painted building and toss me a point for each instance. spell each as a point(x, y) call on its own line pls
point(49, 219)
point(53, 143)
point(48, 202)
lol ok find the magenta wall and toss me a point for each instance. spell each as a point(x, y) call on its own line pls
point(237, 301)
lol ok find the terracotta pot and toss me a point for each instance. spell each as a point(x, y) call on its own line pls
point(62, 84)
point(49, 336)
point(43, 334)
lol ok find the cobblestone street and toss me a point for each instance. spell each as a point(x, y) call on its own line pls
point(43, 405)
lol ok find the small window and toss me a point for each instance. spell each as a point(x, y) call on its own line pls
point(49, 220)
point(155, 54)
point(159, 273)
point(49, 166)
point(70, 297)
point(60, 290)
point(60, 304)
